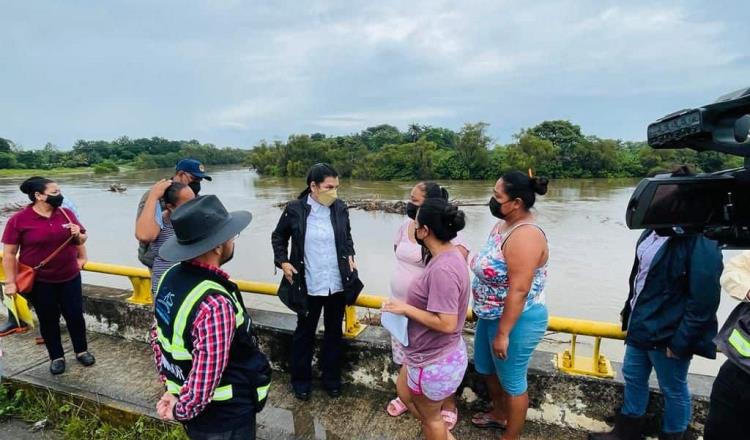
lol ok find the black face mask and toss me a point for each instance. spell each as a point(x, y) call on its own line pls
point(419, 241)
point(411, 210)
point(229, 258)
point(195, 186)
point(496, 208)
point(55, 201)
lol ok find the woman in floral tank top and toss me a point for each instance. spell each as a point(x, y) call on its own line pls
point(510, 273)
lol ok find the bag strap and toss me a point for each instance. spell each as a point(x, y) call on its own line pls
point(59, 249)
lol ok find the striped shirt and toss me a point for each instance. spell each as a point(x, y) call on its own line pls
point(160, 265)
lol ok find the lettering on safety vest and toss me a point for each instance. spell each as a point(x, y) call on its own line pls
point(172, 368)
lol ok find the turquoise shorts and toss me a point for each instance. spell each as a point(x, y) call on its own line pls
point(524, 338)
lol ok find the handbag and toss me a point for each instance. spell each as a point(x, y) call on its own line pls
point(26, 274)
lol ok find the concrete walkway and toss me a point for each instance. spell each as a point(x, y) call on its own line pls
point(124, 381)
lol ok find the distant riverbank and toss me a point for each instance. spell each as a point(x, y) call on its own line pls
point(24, 172)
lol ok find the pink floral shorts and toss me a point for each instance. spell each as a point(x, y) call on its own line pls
point(440, 380)
point(398, 351)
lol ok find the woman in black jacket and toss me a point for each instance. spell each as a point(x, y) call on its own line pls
point(319, 273)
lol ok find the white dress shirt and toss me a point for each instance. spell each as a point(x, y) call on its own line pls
point(646, 252)
point(321, 261)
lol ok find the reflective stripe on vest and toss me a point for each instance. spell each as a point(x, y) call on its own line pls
point(220, 393)
point(176, 348)
point(263, 392)
point(740, 343)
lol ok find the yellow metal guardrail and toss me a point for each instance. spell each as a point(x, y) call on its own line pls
point(597, 365)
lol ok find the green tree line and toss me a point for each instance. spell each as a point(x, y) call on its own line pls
point(557, 149)
point(144, 153)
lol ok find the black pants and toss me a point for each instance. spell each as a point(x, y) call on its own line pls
point(244, 432)
point(49, 301)
point(303, 342)
point(730, 401)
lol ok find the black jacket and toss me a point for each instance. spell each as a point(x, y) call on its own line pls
point(677, 307)
point(293, 225)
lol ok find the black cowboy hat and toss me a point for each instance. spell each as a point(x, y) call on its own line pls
point(201, 225)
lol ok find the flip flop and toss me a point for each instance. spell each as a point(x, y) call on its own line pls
point(396, 407)
point(485, 420)
point(39, 340)
point(450, 418)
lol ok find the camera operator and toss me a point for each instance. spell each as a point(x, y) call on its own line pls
point(730, 396)
point(670, 315)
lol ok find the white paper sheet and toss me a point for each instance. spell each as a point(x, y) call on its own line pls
point(397, 325)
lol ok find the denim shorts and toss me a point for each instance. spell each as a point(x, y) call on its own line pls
point(524, 338)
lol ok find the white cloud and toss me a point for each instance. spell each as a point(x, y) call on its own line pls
point(360, 120)
point(243, 71)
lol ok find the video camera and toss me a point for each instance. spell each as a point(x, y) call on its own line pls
point(714, 204)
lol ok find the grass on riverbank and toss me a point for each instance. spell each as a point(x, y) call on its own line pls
point(73, 421)
point(52, 172)
point(55, 172)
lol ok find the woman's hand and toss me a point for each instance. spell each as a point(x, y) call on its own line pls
point(500, 346)
point(10, 289)
point(75, 230)
point(395, 306)
point(289, 272)
point(352, 264)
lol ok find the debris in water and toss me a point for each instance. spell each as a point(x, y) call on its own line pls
point(117, 187)
point(387, 206)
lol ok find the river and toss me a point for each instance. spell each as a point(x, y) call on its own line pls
point(591, 249)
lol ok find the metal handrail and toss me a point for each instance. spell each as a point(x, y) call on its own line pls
point(567, 361)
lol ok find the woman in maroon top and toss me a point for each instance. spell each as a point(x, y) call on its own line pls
point(37, 231)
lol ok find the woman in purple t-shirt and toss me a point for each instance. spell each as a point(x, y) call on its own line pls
point(435, 358)
point(37, 232)
point(409, 266)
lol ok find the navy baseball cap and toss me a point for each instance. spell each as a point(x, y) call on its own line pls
point(193, 167)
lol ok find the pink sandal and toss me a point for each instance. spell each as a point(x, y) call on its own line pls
point(396, 407)
point(450, 418)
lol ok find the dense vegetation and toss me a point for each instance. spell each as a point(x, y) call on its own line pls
point(552, 148)
point(105, 156)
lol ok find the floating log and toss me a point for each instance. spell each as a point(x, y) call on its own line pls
point(387, 206)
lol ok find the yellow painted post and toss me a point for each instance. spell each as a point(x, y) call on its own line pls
point(573, 341)
point(597, 344)
point(597, 365)
point(141, 291)
point(352, 326)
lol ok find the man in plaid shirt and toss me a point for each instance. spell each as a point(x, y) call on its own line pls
point(203, 343)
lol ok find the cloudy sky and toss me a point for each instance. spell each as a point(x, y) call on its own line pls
point(234, 72)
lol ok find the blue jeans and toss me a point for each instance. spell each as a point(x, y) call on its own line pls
point(672, 376)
